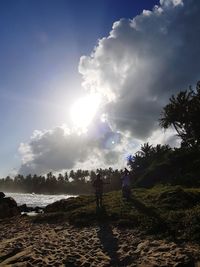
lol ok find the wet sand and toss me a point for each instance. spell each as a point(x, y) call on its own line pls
point(23, 243)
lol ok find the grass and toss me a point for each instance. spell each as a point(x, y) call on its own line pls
point(166, 211)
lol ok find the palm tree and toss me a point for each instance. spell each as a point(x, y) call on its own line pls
point(182, 113)
point(146, 150)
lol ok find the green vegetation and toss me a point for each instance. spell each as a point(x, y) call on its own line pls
point(162, 164)
point(167, 211)
point(182, 113)
point(177, 166)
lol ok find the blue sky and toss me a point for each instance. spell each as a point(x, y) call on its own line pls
point(100, 58)
point(41, 44)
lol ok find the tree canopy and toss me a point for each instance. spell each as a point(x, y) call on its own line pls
point(183, 114)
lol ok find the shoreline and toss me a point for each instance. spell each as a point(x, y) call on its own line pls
point(157, 227)
point(24, 243)
point(36, 200)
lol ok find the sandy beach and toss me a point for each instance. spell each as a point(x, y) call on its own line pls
point(23, 243)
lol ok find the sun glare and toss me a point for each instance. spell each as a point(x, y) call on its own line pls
point(83, 111)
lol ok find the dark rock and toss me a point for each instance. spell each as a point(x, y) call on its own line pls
point(2, 195)
point(24, 208)
point(8, 207)
point(38, 209)
point(62, 205)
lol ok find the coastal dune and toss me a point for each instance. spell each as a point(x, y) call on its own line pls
point(24, 243)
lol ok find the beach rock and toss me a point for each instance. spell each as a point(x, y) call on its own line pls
point(56, 206)
point(62, 205)
point(2, 195)
point(8, 207)
point(38, 209)
point(24, 208)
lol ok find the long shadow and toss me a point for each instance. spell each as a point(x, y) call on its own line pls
point(109, 242)
point(144, 209)
point(10, 254)
point(150, 212)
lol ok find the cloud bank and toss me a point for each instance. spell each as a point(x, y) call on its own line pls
point(60, 149)
point(135, 69)
point(144, 61)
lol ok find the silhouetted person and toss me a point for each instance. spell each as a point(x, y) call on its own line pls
point(98, 185)
point(126, 184)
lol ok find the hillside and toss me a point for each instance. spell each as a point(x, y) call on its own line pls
point(166, 211)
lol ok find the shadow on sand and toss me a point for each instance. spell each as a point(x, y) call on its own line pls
point(109, 242)
point(105, 234)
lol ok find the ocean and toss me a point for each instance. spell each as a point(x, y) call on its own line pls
point(36, 200)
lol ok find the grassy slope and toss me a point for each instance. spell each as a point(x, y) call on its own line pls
point(167, 211)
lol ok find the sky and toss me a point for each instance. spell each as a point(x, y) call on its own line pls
point(83, 83)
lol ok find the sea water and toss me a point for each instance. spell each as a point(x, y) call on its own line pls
point(36, 200)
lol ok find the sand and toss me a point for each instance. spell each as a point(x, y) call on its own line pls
point(23, 243)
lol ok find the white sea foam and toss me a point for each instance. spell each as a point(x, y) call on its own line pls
point(33, 200)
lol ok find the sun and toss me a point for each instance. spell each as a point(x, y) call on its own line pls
point(84, 110)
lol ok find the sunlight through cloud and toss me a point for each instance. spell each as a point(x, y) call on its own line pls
point(84, 110)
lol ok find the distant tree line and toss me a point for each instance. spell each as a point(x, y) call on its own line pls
point(73, 182)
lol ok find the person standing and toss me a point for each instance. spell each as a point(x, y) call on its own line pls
point(126, 184)
point(98, 185)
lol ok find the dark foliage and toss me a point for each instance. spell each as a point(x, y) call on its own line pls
point(76, 182)
point(162, 164)
point(183, 114)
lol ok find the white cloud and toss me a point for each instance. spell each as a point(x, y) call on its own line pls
point(161, 136)
point(52, 150)
point(60, 149)
point(26, 153)
point(135, 69)
point(169, 3)
point(143, 62)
